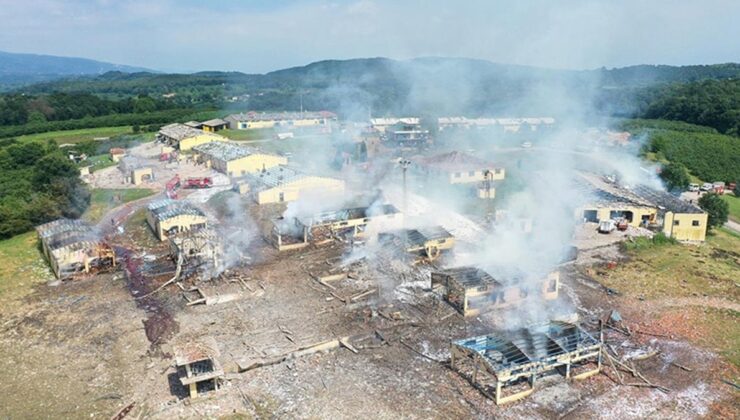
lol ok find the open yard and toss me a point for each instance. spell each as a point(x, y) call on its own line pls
point(22, 267)
point(102, 200)
point(734, 203)
point(76, 136)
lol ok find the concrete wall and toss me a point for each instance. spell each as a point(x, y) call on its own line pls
point(467, 177)
point(183, 223)
point(253, 163)
point(604, 213)
point(685, 226)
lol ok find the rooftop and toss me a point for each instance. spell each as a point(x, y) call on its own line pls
point(179, 131)
point(420, 236)
point(393, 120)
point(349, 214)
point(536, 346)
point(214, 122)
point(281, 116)
point(223, 150)
point(454, 161)
point(165, 209)
point(470, 276)
point(278, 175)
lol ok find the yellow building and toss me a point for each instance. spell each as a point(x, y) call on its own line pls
point(183, 137)
point(211, 126)
point(282, 184)
point(428, 242)
point(73, 248)
point(167, 217)
point(235, 160)
point(643, 206)
point(287, 120)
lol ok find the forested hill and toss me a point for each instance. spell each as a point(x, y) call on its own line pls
point(18, 69)
point(381, 86)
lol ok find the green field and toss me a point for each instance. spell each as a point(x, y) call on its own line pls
point(23, 266)
point(102, 200)
point(76, 136)
point(241, 135)
point(734, 203)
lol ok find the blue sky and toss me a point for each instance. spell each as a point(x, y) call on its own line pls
point(260, 36)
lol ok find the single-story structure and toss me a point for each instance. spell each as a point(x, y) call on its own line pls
point(281, 184)
point(236, 160)
point(428, 242)
point(461, 168)
point(256, 120)
point(167, 217)
point(495, 363)
point(382, 123)
point(473, 291)
point(214, 125)
point(116, 153)
point(73, 248)
point(197, 365)
point(134, 171)
point(183, 137)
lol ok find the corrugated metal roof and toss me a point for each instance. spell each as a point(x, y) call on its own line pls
point(281, 116)
point(165, 209)
point(224, 151)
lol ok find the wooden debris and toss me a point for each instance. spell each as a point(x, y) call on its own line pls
point(682, 367)
point(124, 411)
point(345, 342)
point(363, 294)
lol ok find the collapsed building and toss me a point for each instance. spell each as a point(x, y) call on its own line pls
point(426, 242)
point(473, 291)
point(73, 247)
point(283, 184)
point(197, 365)
point(235, 160)
point(183, 137)
point(168, 217)
point(198, 250)
point(640, 206)
point(457, 168)
point(495, 364)
point(324, 227)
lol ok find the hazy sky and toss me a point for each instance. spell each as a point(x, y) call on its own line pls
point(264, 35)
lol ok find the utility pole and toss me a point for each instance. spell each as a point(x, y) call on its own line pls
point(488, 175)
point(405, 163)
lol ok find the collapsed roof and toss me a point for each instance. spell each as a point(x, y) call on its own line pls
point(179, 131)
point(166, 209)
point(225, 151)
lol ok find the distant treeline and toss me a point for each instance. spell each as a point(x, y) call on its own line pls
point(113, 120)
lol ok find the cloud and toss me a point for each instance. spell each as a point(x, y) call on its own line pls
point(259, 36)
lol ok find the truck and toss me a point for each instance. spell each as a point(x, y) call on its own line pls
point(200, 182)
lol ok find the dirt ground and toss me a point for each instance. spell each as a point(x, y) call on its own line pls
point(89, 348)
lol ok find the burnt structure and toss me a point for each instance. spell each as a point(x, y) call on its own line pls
point(505, 367)
point(324, 227)
point(74, 248)
point(197, 365)
point(473, 291)
point(425, 242)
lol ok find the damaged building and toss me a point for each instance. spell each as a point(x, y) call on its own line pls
point(640, 206)
point(200, 250)
point(506, 367)
point(197, 365)
point(409, 135)
point(425, 242)
point(287, 120)
point(168, 217)
point(235, 160)
point(283, 184)
point(326, 226)
point(473, 291)
point(183, 137)
point(72, 248)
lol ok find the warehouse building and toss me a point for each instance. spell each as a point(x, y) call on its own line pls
point(383, 123)
point(283, 184)
point(168, 217)
point(287, 120)
point(73, 248)
point(473, 291)
point(324, 227)
point(640, 206)
point(505, 367)
point(184, 137)
point(235, 160)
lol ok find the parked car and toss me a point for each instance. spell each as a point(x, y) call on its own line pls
point(607, 226)
point(707, 186)
point(693, 187)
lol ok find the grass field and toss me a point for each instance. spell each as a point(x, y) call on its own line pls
point(76, 136)
point(676, 270)
point(101, 200)
point(734, 203)
point(23, 266)
point(241, 135)
point(99, 162)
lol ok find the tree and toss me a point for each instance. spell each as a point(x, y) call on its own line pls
point(675, 176)
point(716, 207)
point(736, 190)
